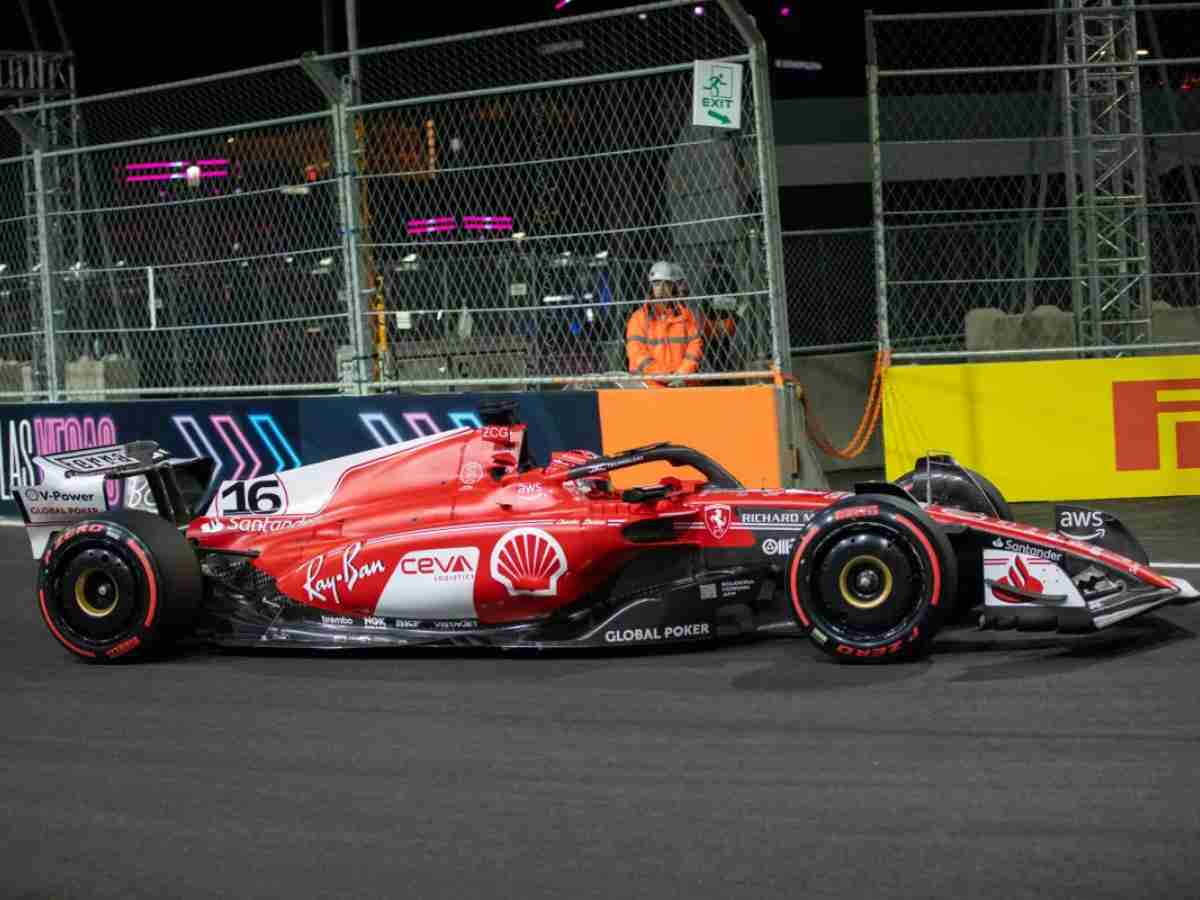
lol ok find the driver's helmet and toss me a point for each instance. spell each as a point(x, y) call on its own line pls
point(593, 485)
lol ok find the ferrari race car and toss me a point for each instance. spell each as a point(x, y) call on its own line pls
point(460, 538)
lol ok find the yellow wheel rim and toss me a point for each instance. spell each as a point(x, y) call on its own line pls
point(87, 605)
point(876, 565)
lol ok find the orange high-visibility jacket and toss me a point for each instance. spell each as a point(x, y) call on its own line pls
point(663, 339)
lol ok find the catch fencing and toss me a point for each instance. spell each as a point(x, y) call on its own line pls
point(831, 289)
point(1037, 162)
point(465, 212)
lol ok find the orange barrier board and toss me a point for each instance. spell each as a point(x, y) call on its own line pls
point(736, 426)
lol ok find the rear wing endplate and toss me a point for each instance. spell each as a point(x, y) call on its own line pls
point(72, 486)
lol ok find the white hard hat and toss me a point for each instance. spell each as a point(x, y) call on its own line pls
point(665, 271)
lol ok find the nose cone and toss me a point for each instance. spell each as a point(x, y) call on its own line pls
point(1186, 591)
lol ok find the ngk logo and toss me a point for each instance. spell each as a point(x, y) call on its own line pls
point(1143, 413)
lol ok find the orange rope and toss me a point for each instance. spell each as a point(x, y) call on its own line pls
point(866, 426)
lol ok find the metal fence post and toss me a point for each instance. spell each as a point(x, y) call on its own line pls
point(33, 134)
point(881, 297)
point(341, 93)
point(46, 261)
point(768, 181)
point(344, 154)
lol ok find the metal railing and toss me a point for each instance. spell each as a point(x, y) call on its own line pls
point(472, 211)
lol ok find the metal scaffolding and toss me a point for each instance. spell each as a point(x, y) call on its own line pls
point(1106, 172)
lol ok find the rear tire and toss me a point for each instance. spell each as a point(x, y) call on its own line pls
point(872, 579)
point(117, 585)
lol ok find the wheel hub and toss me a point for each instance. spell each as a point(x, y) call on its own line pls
point(96, 593)
point(865, 582)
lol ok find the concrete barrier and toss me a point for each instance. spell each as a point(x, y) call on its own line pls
point(1169, 324)
point(1049, 327)
point(92, 379)
point(1043, 326)
point(16, 378)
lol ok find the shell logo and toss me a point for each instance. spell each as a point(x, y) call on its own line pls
point(528, 561)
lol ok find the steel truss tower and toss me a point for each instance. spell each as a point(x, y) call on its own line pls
point(1105, 171)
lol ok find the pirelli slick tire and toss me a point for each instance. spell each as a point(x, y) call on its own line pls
point(116, 586)
point(872, 578)
point(970, 492)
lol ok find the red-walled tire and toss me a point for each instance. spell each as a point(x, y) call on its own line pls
point(117, 585)
point(872, 579)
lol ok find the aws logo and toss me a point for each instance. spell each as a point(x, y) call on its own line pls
point(1143, 413)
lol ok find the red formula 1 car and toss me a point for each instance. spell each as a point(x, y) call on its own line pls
point(461, 539)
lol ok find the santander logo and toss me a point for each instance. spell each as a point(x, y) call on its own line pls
point(1020, 578)
point(717, 518)
point(528, 561)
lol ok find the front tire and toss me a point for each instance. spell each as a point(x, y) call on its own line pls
point(872, 578)
point(116, 586)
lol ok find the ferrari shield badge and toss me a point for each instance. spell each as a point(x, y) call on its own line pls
point(716, 519)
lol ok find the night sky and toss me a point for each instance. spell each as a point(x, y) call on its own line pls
point(137, 43)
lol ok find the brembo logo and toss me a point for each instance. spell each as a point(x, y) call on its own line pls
point(1142, 408)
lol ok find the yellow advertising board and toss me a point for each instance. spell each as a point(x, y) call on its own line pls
point(736, 426)
point(1061, 430)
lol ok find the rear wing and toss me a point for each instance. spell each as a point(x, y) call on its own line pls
point(74, 485)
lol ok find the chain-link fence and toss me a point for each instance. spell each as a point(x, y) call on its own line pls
point(831, 298)
point(453, 212)
point(1033, 161)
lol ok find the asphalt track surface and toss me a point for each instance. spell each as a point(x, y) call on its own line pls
point(1007, 765)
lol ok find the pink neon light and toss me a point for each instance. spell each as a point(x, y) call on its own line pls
point(218, 422)
point(424, 418)
point(488, 226)
point(176, 176)
point(177, 164)
point(503, 220)
point(431, 229)
point(560, 4)
point(156, 165)
point(437, 220)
